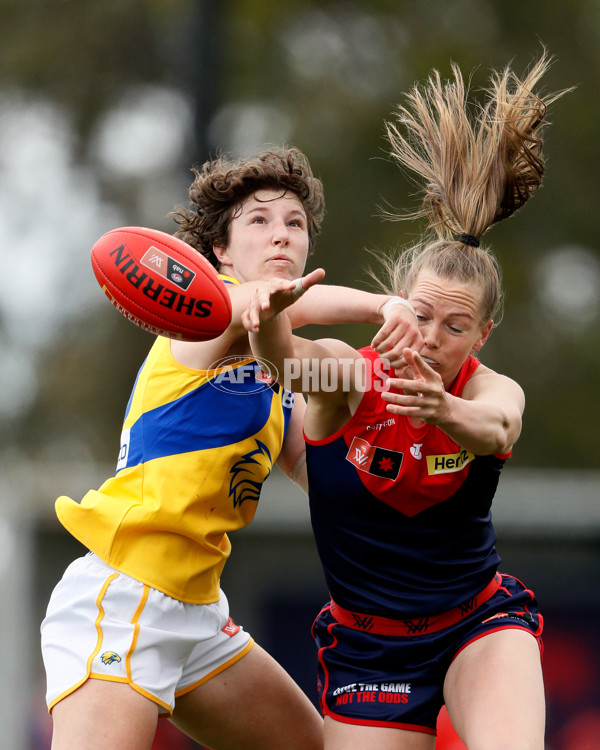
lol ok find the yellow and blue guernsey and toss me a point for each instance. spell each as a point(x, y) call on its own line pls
point(196, 447)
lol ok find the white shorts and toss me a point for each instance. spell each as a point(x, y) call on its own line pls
point(105, 625)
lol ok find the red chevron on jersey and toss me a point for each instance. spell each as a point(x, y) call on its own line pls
point(407, 467)
point(401, 513)
point(381, 462)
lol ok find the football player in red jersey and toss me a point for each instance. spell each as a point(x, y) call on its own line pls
point(404, 452)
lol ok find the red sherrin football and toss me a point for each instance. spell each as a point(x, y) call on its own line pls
point(161, 284)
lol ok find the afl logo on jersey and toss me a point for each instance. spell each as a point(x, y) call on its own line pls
point(381, 462)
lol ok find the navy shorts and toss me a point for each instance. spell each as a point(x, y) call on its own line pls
point(390, 680)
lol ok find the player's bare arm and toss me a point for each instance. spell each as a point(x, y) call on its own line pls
point(485, 420)
point(325, 369)
point(292, 459)
point(306, 302)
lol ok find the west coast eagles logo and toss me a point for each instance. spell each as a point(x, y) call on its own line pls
point(108, 657)
point(249, 473)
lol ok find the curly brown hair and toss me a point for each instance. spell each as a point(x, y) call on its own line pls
point(221, 185)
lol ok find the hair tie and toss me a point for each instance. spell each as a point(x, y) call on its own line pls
point(468, 239)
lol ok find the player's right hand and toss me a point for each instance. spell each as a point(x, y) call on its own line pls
point(278, 294)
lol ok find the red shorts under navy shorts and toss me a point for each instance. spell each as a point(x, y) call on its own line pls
point(379, 672)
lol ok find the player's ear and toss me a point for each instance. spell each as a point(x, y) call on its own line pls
point(485, 332)
point(222, 255)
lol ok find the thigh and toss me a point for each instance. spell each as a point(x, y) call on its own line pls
point(342, 736)
point(252, 704)
point(103, 715)
point(494, 691)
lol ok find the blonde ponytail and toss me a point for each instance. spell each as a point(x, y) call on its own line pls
point(476, 165)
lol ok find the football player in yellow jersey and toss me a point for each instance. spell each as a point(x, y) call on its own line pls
point(139, 627)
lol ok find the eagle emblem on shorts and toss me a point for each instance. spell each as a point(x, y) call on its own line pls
point(108, 657)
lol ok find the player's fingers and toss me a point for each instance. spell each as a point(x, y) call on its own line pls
point(396, 362)
point(302, 284)
point(400, 384)
point(312, 278)
point(262, 299)
point(412, 357)
point(381, 341)
point(248, 322)
point(420, 365)
point(386, 340)
point(259, 302)
point(393, 358)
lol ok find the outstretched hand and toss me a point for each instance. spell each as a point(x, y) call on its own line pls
point(418, 392)
point(399, 331)
point(275, 297)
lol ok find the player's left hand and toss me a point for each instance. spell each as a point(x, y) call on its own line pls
point(418, 391)
point(399, 331)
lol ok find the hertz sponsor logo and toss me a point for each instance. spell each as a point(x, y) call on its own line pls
point(448, 463)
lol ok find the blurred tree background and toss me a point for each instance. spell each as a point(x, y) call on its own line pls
point(105, 106)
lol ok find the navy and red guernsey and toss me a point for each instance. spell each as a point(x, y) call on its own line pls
point(401, 515)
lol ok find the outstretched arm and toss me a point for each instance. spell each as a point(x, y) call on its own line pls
point(329, 305)
point(269, 327)
point(320, 304)
point(311, 304)
point(326, 370)
point(486, 419)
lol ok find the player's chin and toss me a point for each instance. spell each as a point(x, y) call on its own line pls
point(279, 275)
point(288, 268)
